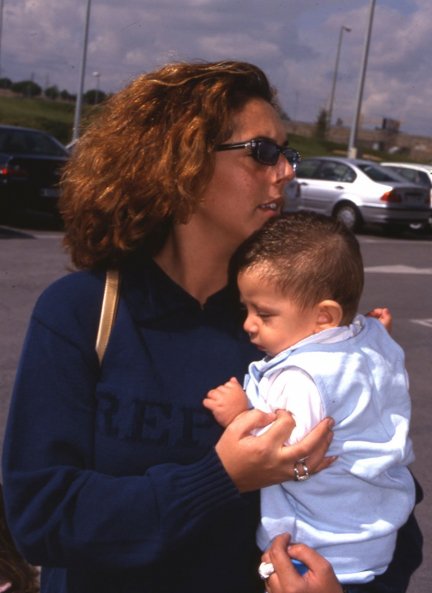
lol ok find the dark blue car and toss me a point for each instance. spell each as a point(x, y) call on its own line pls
point(30, 167)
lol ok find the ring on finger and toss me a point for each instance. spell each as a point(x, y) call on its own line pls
point(301, 471)
point(265, 570)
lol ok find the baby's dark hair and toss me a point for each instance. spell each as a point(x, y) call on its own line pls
point(309, 257)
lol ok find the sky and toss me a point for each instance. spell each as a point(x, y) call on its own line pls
point(294, 41)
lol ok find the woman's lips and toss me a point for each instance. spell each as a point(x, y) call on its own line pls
point(273, 205)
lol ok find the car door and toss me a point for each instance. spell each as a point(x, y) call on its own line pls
point(307, 175)
point(326, 183)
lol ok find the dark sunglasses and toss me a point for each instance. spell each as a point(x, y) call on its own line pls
point(265, 151)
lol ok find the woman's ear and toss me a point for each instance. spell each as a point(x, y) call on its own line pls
point(329, 314)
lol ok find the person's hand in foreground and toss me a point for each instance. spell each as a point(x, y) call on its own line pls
point(320, 577)
point(382, 314)
point(254, 462)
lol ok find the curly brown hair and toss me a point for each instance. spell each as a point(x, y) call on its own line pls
point(144, 162)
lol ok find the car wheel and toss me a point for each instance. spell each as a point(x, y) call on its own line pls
point(349, 215)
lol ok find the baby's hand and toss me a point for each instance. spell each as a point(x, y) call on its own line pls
point(383, 314)
point(226, 401)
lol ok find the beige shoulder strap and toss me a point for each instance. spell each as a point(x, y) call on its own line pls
point(108, 311)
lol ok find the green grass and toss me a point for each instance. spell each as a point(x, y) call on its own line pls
point(55, 117)
point(308, 147)
point(313, 146)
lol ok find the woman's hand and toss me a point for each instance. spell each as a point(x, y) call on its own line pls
point(320, 577)
point(382, 314)
point(253, 462)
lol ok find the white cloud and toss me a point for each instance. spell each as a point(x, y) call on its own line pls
point(227, 45)
point(294, 41)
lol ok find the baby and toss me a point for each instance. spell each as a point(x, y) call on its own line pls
point(300, 280)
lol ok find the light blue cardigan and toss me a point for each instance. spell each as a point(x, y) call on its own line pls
point(351, 512)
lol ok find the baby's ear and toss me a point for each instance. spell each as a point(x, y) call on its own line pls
point(329, 314)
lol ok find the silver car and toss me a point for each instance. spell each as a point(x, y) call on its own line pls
point(413, 172)
point(359, 192)
point(31, 162)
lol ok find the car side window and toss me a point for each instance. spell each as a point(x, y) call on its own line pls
point(29, 142)
point(15, 143)
point(328, 172)
point(346, 174)
point(333, 171)
point(423, 179)
point(308, 168)
point(42, 144)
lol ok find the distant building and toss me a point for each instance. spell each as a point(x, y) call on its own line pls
point(387, 138)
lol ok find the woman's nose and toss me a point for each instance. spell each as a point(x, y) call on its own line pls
point(284, 170)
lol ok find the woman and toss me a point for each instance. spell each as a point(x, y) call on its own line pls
point(116, 477)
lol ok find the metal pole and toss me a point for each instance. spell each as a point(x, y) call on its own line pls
point(335, 74)
point(78, 104)
point(96, 97)
point(1, 30)
point(352, 150)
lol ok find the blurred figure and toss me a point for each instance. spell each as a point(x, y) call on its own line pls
point(16, 576)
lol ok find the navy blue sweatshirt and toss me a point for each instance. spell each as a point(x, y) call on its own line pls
point(111, 481)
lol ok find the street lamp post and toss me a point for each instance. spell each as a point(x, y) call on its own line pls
point(335, 73)
point(1, 29)
point(352, 150)
point(78, 104)
point(97, 76)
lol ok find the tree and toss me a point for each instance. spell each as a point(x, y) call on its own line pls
point(5, 83)
point(52, 92)
point(66, 96)
point(321, 124)
point(94, 96)
point(27, 88)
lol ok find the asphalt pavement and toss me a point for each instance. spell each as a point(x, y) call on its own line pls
point(398, 275)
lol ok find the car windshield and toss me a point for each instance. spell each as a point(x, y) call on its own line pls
point(29, 142)
point(377, 173)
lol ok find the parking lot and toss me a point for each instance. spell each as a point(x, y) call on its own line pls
point(398, 275)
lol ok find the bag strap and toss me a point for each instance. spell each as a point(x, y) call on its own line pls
point(108, 311)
